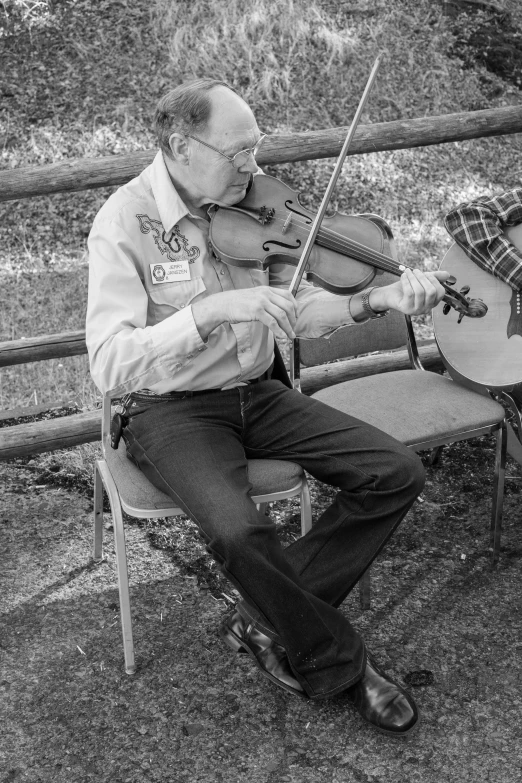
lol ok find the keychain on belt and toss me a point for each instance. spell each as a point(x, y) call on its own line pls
point(118, 422)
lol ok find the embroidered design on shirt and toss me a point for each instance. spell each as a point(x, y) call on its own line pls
point(177, 247)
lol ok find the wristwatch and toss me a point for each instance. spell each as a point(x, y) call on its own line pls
point(365, 304)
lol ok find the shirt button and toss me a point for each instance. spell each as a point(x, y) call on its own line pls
point(182, 305)
point(222, 272)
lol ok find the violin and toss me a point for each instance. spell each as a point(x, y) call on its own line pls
point(270, 226)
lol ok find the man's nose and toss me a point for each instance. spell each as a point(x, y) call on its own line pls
point(249, 166)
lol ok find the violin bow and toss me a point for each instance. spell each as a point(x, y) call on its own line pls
point(305, 255)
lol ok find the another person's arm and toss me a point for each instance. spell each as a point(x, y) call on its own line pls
point(478, 226)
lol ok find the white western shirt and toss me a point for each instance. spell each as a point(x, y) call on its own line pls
point(140, 328)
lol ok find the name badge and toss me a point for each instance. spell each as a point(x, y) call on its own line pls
point(170, 272)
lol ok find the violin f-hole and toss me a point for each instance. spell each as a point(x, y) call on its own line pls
point(308, 220)
point(282, 244)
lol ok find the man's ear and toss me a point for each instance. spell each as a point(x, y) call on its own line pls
point(179, 148)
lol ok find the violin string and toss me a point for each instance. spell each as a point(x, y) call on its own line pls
point(364, 253)
point(341, 244)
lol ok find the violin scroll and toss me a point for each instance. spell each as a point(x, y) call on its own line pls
point(457, 300)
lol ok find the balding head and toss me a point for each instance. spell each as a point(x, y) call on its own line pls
point(187, 109)
point(201, 127)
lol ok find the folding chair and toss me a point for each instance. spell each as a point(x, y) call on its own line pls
point(130, 491)
point(421, 409)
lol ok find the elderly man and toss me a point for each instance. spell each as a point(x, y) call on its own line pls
point(188, 343)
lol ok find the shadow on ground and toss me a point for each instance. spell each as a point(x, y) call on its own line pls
point(196, 712)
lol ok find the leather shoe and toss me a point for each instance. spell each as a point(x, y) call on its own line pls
point(383, 703)
point(242, 636)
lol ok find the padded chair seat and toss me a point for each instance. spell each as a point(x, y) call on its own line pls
point(385, 401)
point(136, 491)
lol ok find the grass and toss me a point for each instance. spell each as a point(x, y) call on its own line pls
point(82, 81)
point(261, 48)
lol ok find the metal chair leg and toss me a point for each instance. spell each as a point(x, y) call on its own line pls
point(98, 515)
point(498, 492)
point(306, 508)
point(510, 401)
point(121, 560)
point(435, 454)
point(365, 586)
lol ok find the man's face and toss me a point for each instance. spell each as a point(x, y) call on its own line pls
point(232, 127)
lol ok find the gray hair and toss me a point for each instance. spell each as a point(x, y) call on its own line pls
point(185, 109)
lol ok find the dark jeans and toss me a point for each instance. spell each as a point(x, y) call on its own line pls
point(196, 450)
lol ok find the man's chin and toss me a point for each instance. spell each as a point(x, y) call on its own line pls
point(233, 197)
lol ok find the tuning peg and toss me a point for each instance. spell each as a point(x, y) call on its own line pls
point(446, 309)
point(461, 316)
point(464, 290)
point(451, 280)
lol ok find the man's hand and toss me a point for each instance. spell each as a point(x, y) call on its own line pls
point(274, 307)
point(414, 293)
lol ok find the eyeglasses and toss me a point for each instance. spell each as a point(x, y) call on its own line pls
point(241, 157)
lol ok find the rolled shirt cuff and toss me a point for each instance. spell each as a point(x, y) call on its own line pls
point(176, 353)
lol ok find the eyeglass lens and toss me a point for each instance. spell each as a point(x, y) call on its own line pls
point(240, 158)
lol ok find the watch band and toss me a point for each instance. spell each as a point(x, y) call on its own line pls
point(365, 304)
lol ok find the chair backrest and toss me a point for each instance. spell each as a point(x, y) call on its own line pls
point(379, 334)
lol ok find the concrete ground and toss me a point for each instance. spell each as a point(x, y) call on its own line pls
point(195, 711)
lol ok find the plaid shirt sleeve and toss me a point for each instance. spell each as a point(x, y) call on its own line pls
point(478, 228)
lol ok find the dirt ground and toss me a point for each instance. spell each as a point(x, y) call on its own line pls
point(441, 621)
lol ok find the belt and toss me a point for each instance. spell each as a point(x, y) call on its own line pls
point(178, 395)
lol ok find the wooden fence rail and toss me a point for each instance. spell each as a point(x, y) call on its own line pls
point(36, 349)
point(85, 174)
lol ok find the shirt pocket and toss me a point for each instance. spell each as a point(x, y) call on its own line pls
point(168, 298)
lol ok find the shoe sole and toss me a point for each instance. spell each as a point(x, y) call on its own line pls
point(238, 645)
point(396, 734)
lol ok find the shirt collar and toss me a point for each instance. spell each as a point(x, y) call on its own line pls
point(171, 208)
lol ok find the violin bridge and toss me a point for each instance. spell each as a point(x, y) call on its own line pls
point(287, 223)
